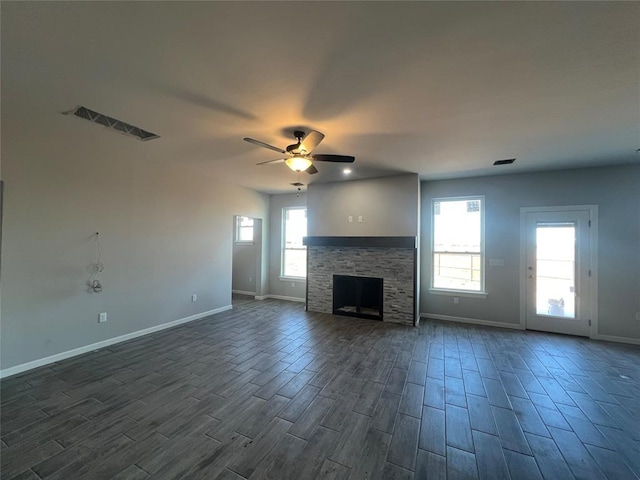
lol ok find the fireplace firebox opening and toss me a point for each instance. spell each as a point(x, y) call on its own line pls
point(357, 296)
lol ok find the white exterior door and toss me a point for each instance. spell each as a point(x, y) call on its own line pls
point(557, 271)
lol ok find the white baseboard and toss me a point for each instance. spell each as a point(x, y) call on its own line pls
point(280, 297)
point(7, 372)
point(475, 321)
point(614, 338)
point(448, 318)
point(288, 299)
point(243, 292)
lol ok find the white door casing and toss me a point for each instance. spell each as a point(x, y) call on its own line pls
point(558, 269)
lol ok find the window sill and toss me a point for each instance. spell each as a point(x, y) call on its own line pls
point(293, 279)
point(458, 293)
point(243, 243)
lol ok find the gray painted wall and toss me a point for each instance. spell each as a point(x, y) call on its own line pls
point(277, 286)
point(616, 191)
point(388, 205)
point(166, 232)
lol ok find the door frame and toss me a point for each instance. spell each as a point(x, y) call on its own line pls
point(593, 260)
point(259, 284)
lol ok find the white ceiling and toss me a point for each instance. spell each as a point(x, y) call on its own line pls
point(440, 89)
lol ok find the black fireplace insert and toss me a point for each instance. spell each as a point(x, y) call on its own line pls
point(357, 296)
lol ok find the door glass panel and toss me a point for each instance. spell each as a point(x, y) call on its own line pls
point(556, 269)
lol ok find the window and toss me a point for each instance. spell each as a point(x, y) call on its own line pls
point(458, 250)
point(244, 229)
point(294, 253)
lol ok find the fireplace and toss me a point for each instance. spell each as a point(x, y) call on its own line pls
point(392, 260)
point(357, 296)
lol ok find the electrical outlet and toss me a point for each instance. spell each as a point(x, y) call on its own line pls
point(637, 316)
point(293, 284)
point(194, 297)
point(102, 317)
point(250, 279)
point(360, 219)
point(350, 218)
point(456, 300)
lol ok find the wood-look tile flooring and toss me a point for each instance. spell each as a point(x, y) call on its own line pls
point(267, 390)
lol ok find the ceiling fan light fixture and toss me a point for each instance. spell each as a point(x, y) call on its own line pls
point(298, 164)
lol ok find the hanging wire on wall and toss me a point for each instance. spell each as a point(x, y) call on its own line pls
point(94, 282)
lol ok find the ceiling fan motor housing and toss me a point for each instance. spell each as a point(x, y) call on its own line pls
point(295, 148)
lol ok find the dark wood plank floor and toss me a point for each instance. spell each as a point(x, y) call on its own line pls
point(269, 391)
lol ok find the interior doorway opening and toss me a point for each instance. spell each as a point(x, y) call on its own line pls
point(247, 272)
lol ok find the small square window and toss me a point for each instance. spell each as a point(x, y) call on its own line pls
point(244, 230)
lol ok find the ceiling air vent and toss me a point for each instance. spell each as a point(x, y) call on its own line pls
point(508, 161)
point(112, 123)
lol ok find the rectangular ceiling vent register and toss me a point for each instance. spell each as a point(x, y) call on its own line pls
point(112, 123)
point(508, 161)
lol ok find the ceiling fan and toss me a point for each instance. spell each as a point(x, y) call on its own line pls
point(298, 156)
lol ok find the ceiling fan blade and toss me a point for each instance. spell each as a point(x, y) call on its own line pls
point(311, 170)
point(262, 144)
point(310, 141)
point(334, 158)
point(279, 160)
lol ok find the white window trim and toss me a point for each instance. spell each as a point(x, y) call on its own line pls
point(458, 293)
point(282, 276)
point(482, 293)
point(292, 279)
point(243, 242)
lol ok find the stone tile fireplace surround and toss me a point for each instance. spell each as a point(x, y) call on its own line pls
point(394, 259)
